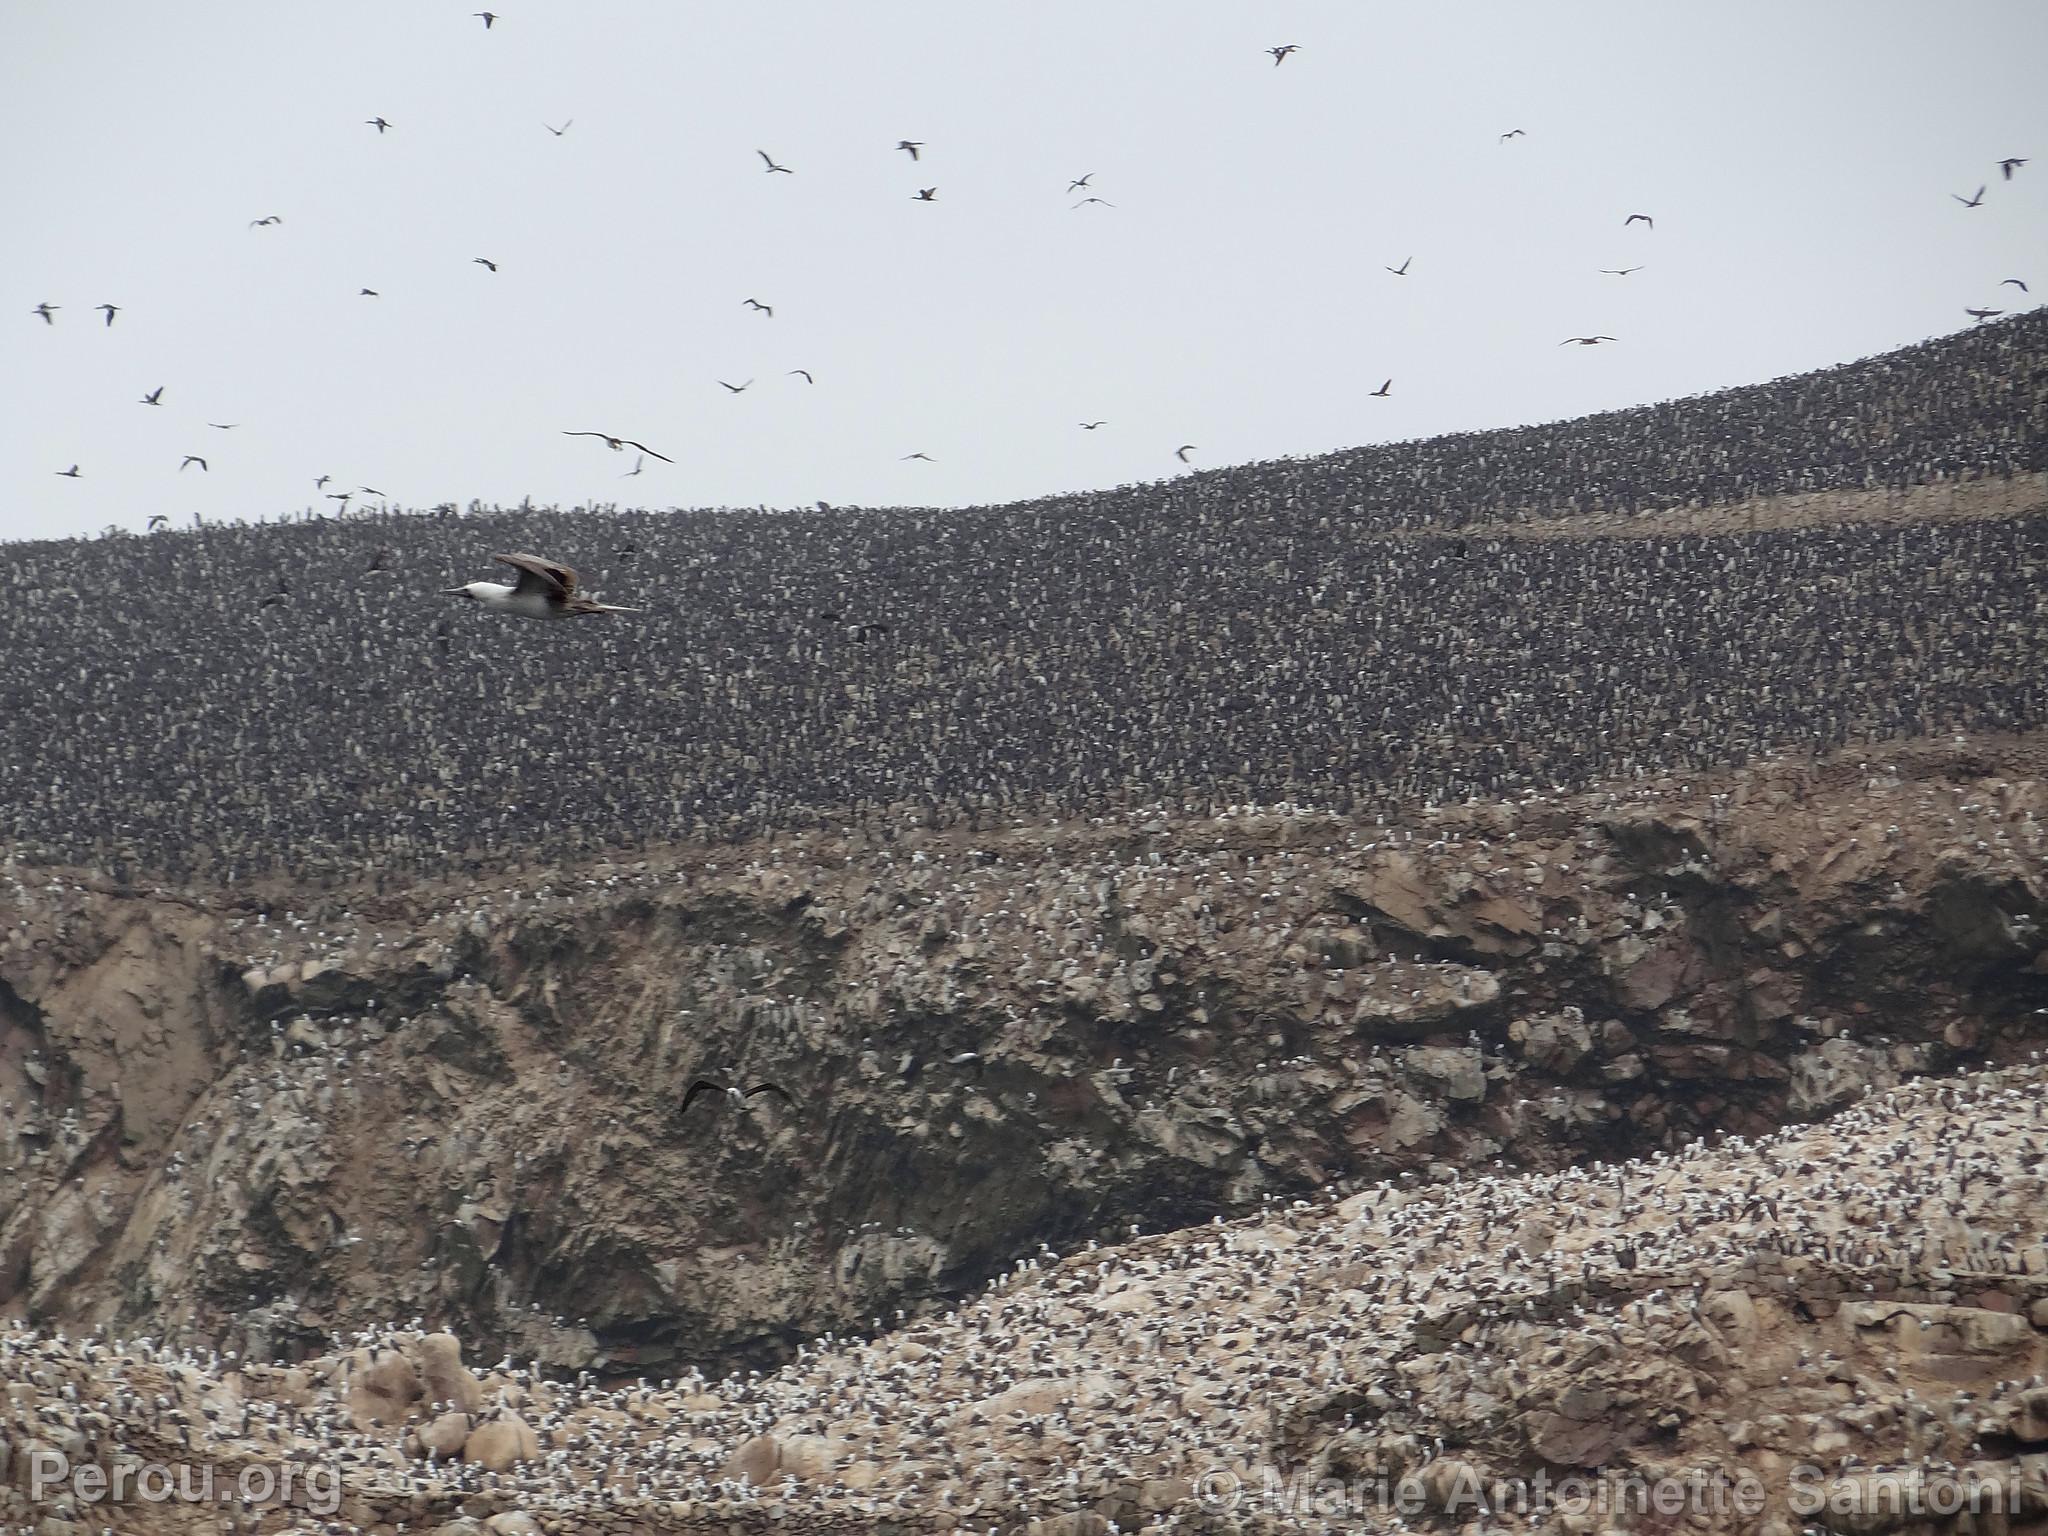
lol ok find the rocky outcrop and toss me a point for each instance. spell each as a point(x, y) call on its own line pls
point(231, 1120)
point(1843, 1325)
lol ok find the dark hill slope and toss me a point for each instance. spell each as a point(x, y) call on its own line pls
point(1243, 634)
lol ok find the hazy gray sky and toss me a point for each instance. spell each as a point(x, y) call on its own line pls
point(1799, 159)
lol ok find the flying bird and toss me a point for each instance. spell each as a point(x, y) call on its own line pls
point(1513, 133)
point(1383, 391)
point(738, 1098)
point(1280, 53)
point(925, 456)
point(1087, 200)
point(223, 426)
point(369, 490)
point(621, 444)
point(110, 310)
point(2008, 165)
point(344, 497)
point(483, 261)
point(2013, 282)
point(268, 219)
point(735, 388)
point(766, 309)
point(558, 132)
point(1401, 270)
point(803, 373)
point(368, 293)
point(1080, 183)
point(1643, 218)
point(1090, 426)
point(154, 397)
point(1969, 202)
point(1585, 341)
point(48, 312)
point(1183, 451)
point(69, 474)
point(1620, 271)
point(317, 484)
point(488, 18)
point(910, 146)
point(193, 458)
point(639, 464)
point(377, 123)
point(925, 195)
point(1983, 314)
point(772, 166)
point(158, 520)
point(545, 589)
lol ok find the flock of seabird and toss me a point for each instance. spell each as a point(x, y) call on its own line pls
point(1426, 1329)
point(916, 150)
point(1326, 630)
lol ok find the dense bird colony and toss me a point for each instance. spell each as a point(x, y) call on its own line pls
point(300, 696)
point(1401, 1329)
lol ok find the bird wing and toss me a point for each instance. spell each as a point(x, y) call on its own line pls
point(545, 577)
point(701, 1085)
point(770, 1088)
point(768, 159)
point(647, 450)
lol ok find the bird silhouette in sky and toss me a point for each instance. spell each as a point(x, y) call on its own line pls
point(1639, 218)
point(48, 312)
point(756, 304)
point(377, 123)
point(484, 261)
point(1080, 183)
point(1384, 390)
point(802, 373)
point(1585, 341)
point(1513, 133)
point(1401, 270)
point(925, 195)
point(772, 166)
point(193, 458)
point(621, 444)
point(558, 132)
point(2006, 167)
point(110, 310)
point(735, 388)
point(1280, 53)
point(1983, 314)
point(1620, 271)
point(1087, 200)
point(1970, 202)
point(910, 146)
point(925, 456)
point(69, 474)
point(1090, 426)
point(266, 219)
point(1183, 451)
point(488, 18)
point(2013, 282)
point(154, 397)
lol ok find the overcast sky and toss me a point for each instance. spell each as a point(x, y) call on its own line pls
point(1799, 160)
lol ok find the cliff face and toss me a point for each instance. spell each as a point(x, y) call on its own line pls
point(228, 1121)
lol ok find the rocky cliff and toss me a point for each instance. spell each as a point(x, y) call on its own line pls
point(227, 1121)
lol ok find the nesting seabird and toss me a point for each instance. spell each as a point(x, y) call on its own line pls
point(544, 590)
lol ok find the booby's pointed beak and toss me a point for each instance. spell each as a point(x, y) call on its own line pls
point(455, 591)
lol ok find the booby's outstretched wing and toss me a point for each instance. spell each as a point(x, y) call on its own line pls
point(547, 578)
